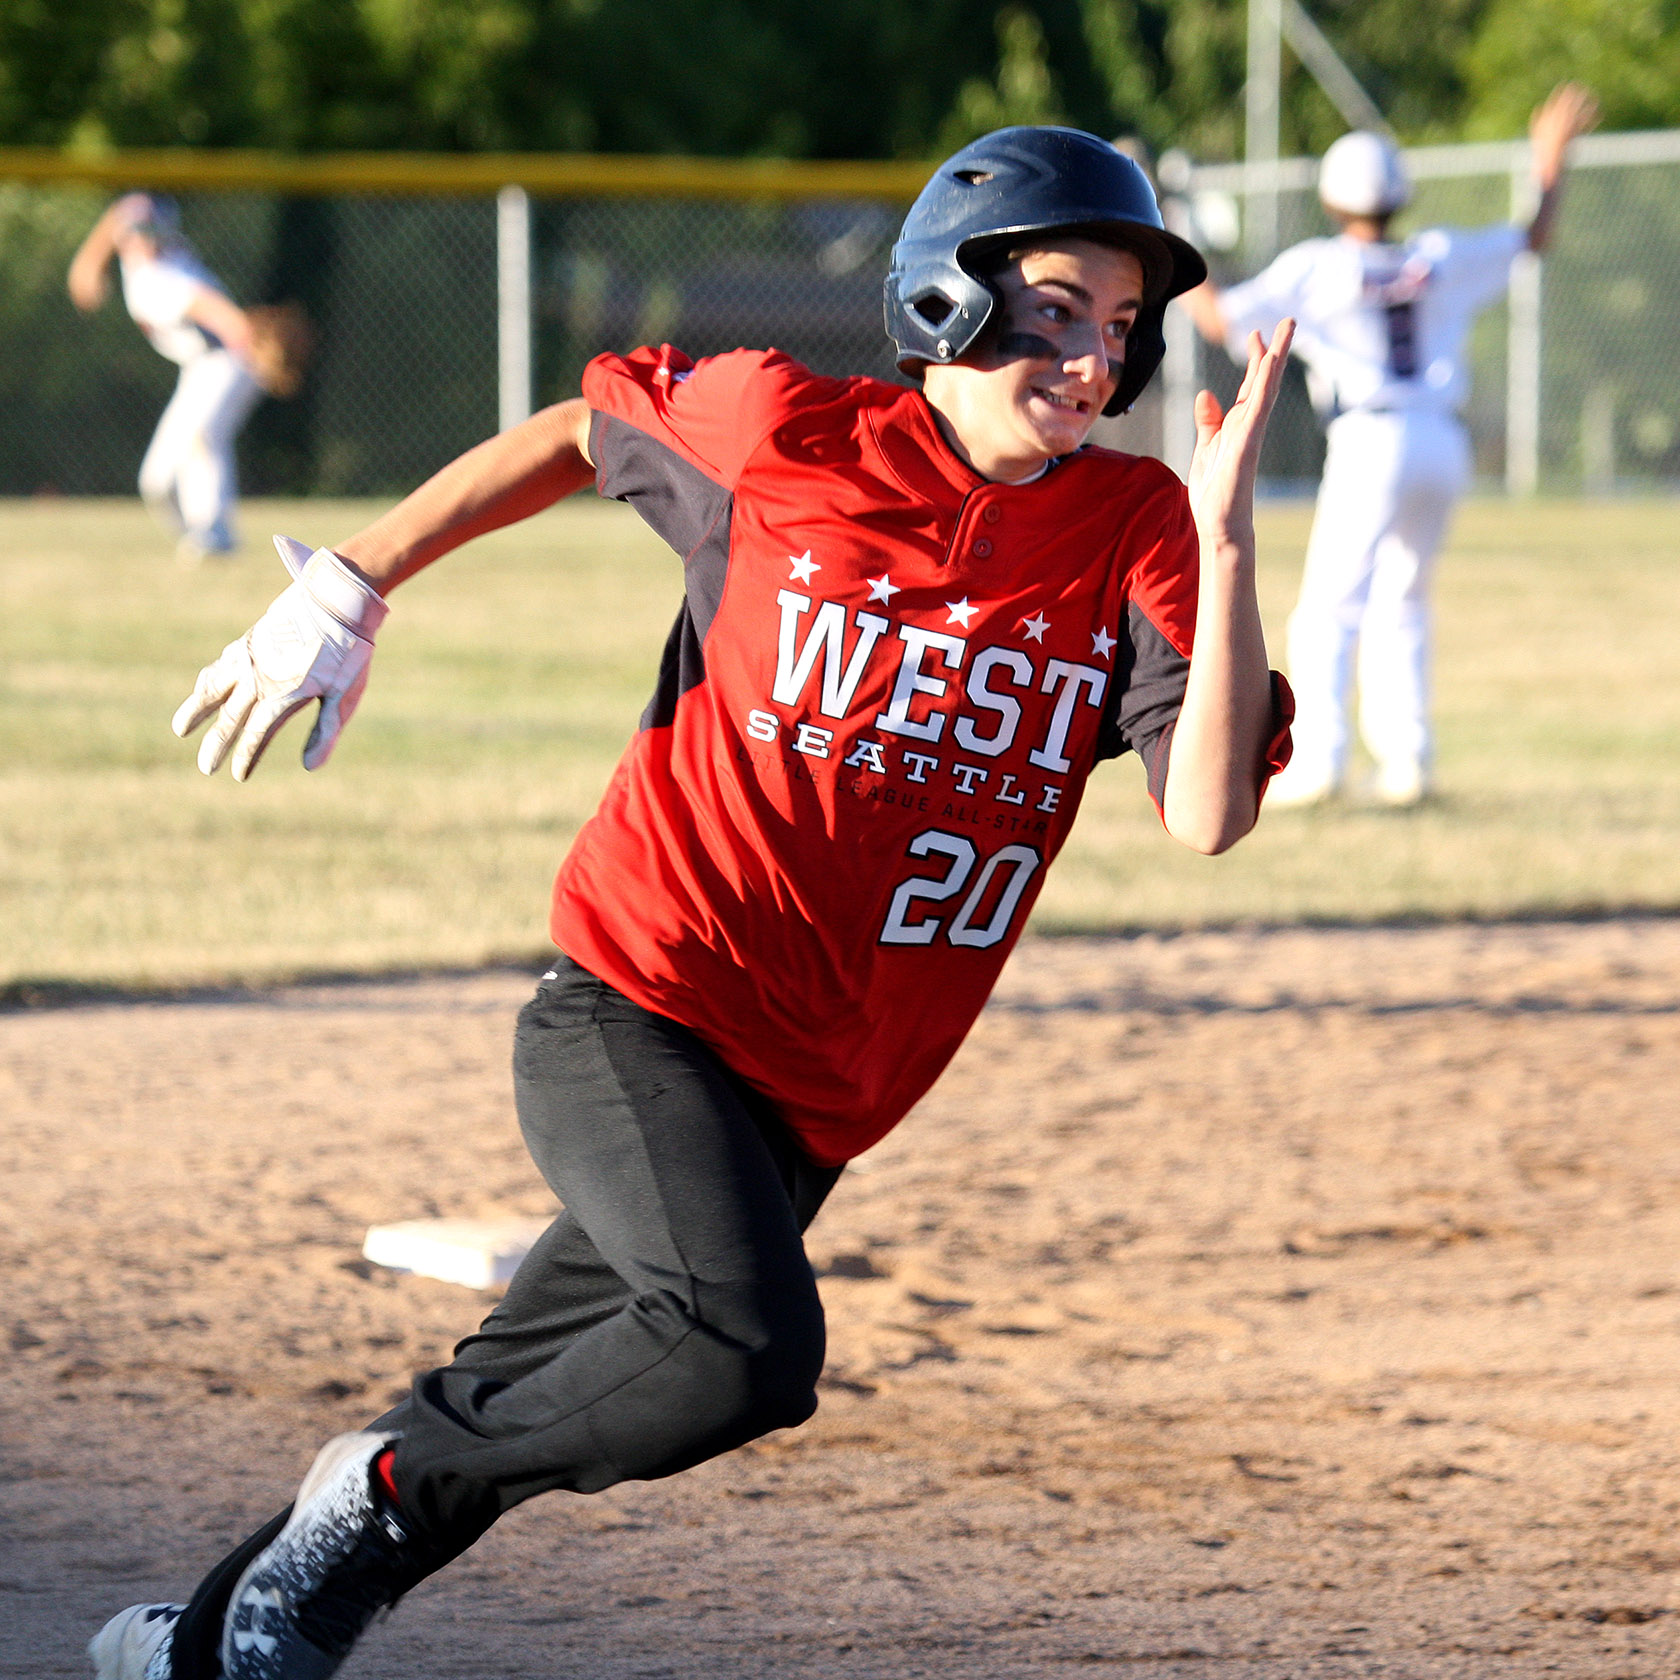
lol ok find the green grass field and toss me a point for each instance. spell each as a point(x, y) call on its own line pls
point(510, 676)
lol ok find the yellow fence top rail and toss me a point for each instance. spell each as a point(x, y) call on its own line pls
point(545, 174)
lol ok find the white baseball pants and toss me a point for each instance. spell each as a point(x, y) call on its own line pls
point(1390, 481)
point(188, 478)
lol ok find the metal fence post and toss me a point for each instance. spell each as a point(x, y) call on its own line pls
point(1260, 130)
point(1178, 391)
point(1522, 354)
point(513, 306)
point(1179, 369)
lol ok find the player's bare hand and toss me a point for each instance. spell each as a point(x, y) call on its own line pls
point(1568, 111)
point(1227, 458)
point(313, 643)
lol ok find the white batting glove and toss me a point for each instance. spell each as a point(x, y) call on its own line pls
point(314, 643)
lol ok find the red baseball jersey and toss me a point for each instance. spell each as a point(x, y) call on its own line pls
point(874, 719)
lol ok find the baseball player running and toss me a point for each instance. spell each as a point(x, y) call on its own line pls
point(226, 355)
point(1382, 329)
point(915, 619)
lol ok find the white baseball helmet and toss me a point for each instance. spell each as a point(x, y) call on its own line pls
point(1364, 175)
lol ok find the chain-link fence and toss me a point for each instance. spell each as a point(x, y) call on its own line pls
point(403, 292)
point(411, 298)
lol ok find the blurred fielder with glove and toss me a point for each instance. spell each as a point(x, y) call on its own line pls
point(228, 357)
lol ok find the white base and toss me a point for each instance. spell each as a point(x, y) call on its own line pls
point(479, 1253)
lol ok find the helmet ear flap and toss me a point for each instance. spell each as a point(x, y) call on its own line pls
point(934, 311)
point(1146, 344)
point(943, 316)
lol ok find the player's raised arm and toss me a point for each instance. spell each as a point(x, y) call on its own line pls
point(1212, 794)
point(1569, 111)
point(315, 642)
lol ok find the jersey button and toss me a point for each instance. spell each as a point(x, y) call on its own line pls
point(991, 513)
point(982, 548)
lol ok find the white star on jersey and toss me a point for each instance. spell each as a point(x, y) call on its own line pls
point(803, 566)
point(1035, 627)
point(882, 588)
point(961, 612)
point(1102, 644)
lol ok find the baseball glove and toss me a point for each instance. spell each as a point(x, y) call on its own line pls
point(282, 341)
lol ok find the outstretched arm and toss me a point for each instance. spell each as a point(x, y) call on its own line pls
point(1569, 110)
point(505, 479)
point(1204, 305)
point(217, 313)
point(1214, 771)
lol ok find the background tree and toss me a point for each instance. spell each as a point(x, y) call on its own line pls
point(1627, 51)
point(848, 78)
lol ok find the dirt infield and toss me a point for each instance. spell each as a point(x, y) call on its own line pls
point(1283, 1304)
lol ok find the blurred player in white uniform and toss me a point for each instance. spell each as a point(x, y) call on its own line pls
point(1382, 327)
point(188, 477)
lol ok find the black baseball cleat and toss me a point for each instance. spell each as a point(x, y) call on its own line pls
point(345, 1554)
point(134, 1644)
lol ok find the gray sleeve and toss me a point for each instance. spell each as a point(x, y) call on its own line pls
point(1142, 711)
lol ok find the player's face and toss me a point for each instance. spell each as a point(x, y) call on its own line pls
point(1038, 383)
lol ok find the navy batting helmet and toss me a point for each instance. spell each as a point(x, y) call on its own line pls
point(997, 190)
